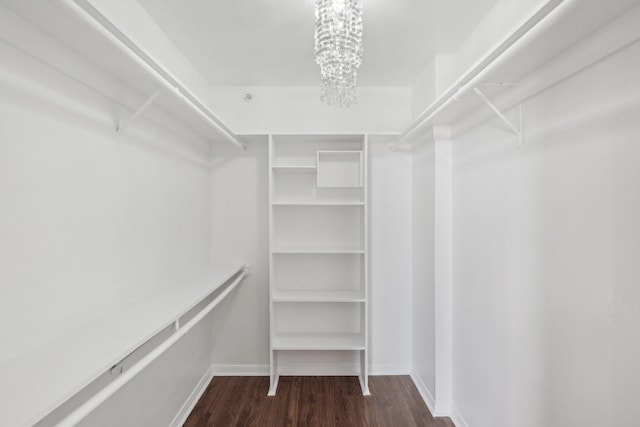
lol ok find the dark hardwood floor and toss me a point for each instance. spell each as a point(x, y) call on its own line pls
point(312, 401)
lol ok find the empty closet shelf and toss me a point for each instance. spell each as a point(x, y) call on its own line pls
point(294, 250)
point(316, 341)
point(295, 168)
point(37, 381)
point(318, 296)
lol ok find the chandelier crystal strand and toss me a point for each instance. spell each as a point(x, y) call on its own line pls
point(338, 48)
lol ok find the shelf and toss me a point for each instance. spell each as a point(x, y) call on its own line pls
point(557, 40)
point(318, 342)
point(317, 251)
point(318, 296)
point(294, 168)
point(73, 39)
point(318, 203)
point(35, 382)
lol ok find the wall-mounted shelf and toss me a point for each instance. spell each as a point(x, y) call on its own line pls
point(74, 39)
point(557, 40)
point(37, 381)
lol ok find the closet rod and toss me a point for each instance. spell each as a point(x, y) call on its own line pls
point(534, 25)
point(92, 17)
point(100, 397)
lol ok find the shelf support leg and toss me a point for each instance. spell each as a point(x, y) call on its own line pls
point(495, 109)
point(122, 126)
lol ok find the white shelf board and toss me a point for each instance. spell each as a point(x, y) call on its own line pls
point(318, 296)
point(317, 203)
point(313, 341)
point(35, 382)
point(294, 168)
point(317, 251)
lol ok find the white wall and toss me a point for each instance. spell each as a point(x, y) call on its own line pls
point(390, 236)
point(90, 222)
point(423, 268)
point(489, 32)
point(546, 244)
point(423, 91)
point(299, 110)
point(240, 233)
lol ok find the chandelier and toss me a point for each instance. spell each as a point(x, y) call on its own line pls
point(338, 47)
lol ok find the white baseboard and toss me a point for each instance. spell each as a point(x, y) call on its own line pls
point(193, 398)
point(424, 392)
point(457, 419)
point(306, 370)
point(240, 370)
point(389, 369)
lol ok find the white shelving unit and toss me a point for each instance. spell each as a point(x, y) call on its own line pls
point(318, 249)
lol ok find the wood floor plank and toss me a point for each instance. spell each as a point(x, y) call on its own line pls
point(312, 401)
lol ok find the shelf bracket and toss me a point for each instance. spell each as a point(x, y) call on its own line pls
point(517, 130)
point(125, 124)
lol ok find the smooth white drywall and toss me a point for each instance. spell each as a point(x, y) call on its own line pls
point(390, 258)
point(504, 17)
point(423, 89)
point(423, 270)
point(546, 245)
point(299, 110)
point(240, 232)
point(90, 222)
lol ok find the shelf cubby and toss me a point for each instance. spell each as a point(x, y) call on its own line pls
point(326, 272)
point(301, 186)
point(318, 227)
point(339, 169)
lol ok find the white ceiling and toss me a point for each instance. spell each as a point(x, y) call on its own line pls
point(270, 42)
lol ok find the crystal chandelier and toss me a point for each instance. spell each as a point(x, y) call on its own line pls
point(338, 45)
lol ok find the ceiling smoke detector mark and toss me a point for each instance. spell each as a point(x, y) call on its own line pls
point(248, 97)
